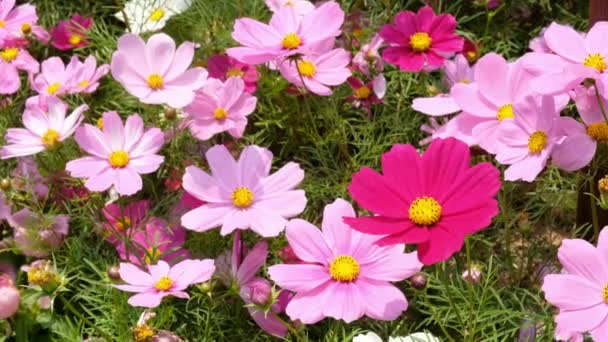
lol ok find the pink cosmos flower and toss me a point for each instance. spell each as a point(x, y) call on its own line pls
point(317, 73)
point(13, 59)
point(156, 240)
point(368, 59)
point(223, 67)
point(54, 79)
point(286, 34)
point(301, 7)
point(242, 194)
point(580, 292)
point(220, 107)
point(85, 76)
point(348, 275)
point(459, 127)
point(364, 95)
point(156, 72)
point(526, 143)
point(539, 44)
point(71, 34)
point(36, 235)
point(420, 39)
point(10, 297)
point(42, 130)
point(433, 200)
point(119, 154)
point(161, 280)
point(121, 221)
point(20, 22)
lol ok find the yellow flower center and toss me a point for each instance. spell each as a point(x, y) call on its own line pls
point(2, 23)
point(358, 32)
point(420, 41)
point(291, 41)
point(234, 72)
point(164, 283)
point(152, 255)
point(598, 131)
point(344, 268)
point(471, 55)
point(505, 112)
point(9, 54)
point(596, 61)
point(465, 81)
point(242, 197)
point(75, 39)
point(142, 333)
point(100, 123)
point(83, 83)
point(53, 88)
point(157, 14)
point(26, 28)
point(537, 142)
point(123, 223)
point(306, 68)
point(425, 211)
point(605, 294)
point(119, 158)
point(50, 137)
point(220, 113)
point(362, 92)
point(155, 81)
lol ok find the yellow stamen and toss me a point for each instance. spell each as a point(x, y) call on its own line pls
point(119, 159)
point(142, 333)
point(235, 72)
point(425, 211)
point(358, 32)
point(152, 255)
point(2, 23)
point(9, 54)
point(362, 93)
point(157, 14)
point(83, 83)
point(164, 283)
point(505, 112)
point(605, 294)
point(155, 81)
point(291, 41)
point(596, 61)
point(123, 223)
point(75, 39)
point(344, 268)
point(471, 55)
point(220, 113)
point(26, 28)
point(53, 88)
point(100, 123)
point(537, 142)
point(50, 137)
point(420, 41)
point(242, 197)
point(598, 131)
point(306, 68)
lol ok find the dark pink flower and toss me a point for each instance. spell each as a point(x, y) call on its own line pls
point(223, 67)
point(120, 220)
point(71, 34)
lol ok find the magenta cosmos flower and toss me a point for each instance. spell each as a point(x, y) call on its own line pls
point(42, 130)
point(71, 34)
point(220, 107)
point(19, 22)
point(120, 221)
point(161, 280)
point(317, 73)
point(85, 75)
point(347, 276)
point(242, 194)
point(286, 34)
point(118, 154)
point(223, 67)
point(156, 72)
point(433, 200)
point(581, 292)
point(420, 39)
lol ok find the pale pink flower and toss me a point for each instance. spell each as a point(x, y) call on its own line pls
point(243, 194)
point(10, 82)
point(118, 154)
point(37, 235)
point(348, 275)
point(220, 107)
point(458, 70)
point(53, 79)
point(10, 296)
point(368, 58)
point(286, 34)
point(161, 280)
point(317, 73)
point(459, 127)
point(122, 220)
point(13, 59)
point(301, 7)
point(19, 22)
point(85, 76)
point(42, 131)
point(156, 72)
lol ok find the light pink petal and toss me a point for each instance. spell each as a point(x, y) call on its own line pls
point(582, 320)
point(93, 141)
point(86, 167)
point(492, 75)
point(254, 164)
point(147, 299)
point(308, 242)
point(308, 307)
point(286, 178)
point(114, 130)
point(383, 301)
point(468, 98)
point(346, 302)
point(146, 164)
point(322, 23)
point(134, 48)
point(134, 129)
point(571, 292)
point(150, 143)
point(565, 42)
point(223, 167)
point(435, 106)
point(337, 233)
point(579, 257)
point(574, 153)
point(394, 266)
point(128, 181)
point(206, 217)
point(299, 277)
point(286, 203)
point(202, 186)
point(267, 223)
point(160, 49)
point(134, 275)
point(254, 260)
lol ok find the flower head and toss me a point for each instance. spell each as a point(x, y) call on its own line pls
point(85, 75)
point(220, 107)
point(26, 177)
point(368, 59)
point(20, 22)
point(161, 280)
point(71, 34)
point(427, 201)
point(9, 297)
point(156, 72)
point(223, 67)
point(42, 131)
point(13, 59)
point(118, 154)
point(54, 79)
point(347, 276)
point(243, 194)
point(366, 94)
point(420, 39)
point(150, 15)
point(36, 234)
point(120, 221)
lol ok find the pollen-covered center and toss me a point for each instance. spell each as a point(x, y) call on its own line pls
point(605, 294)
point(10, 54)
point(235, 72)
point(291, 41)
point(123, 223)
point(155, 81)
point(164, 283)
point(505, 112)
point(119, 158)
point(53, 88)
point(99, 123)
point(157, 14)
point(50, 137)
point(306, 68)
point(596, 61)
point(83, 83)
point(425, 211)
point(344, 268)
point(2, 23)
point(26, 28)
point(598, 131)
point(537, 142)
point(242, 197)
point(220, 113)
point(363, 92)
point(75, 39)
point(420, 41)
point(152, 255)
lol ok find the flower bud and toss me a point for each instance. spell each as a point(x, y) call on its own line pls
point(113, 272)
point(42, 273)
point(142, 333)
point(418, 281)
point(259, 291)
point(9, 297)
point(472, 275)
point(5, 184)
point(170, 113)
point(602, 184)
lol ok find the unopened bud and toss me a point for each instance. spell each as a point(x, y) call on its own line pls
point(432, 90)
point(260, 291)
point(602, 184)
point(418, 281)
point(472, 275)
point(5, 184)
point(113, 272)
point(170, 113)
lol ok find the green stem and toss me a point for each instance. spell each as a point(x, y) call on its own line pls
point(599, 102)
point(467, 243)
point(75, 312)
point(449, 293)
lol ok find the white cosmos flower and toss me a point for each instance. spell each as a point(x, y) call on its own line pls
point(369, 337)
point(301, 7)
point(415, 337)
point(151, 15)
